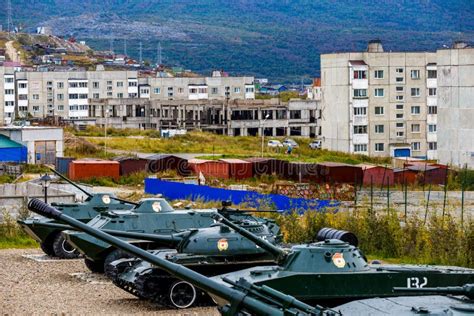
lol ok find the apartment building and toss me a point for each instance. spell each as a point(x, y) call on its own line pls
point(456, 105)
point(7, 95)
point(380, 103)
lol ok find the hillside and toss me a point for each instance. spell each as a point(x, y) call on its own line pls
point(280, 39)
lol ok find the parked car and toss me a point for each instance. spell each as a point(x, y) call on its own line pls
point(315, 144)
point(290, 142)
point(274, 143)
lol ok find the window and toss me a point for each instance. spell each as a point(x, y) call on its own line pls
point(9, 91)
point(9, 80)
point(22, 85)
point(295, 114)
point(132, 83)
point(399, 115)
point(432, 146)
point(180, 90)
point(399, 125)
point(416, 146)
point(109, 94)
point(9, 103)
point(360, 74)
point(119, 84)
point(379, 92)
point(214, 90)
point(360, 111)
point(432, 91)
point(95, 96)
point(157, 90)
point(399, 97)
point(432, 128)
point(109, 83)
point(400, 134)
point(36, 108)
point(109, 88)
point(170, 88)
point(21, 109)
point(360, 93)
point(132, 95)
point(378, 74)
point(204, 90)
point(36, 96)
point(415, 74)
point(399, 70)
point(60, 107)
point(193, 90)
point(77, 84)
point(248, 90)
point(237, 90)
point(399, 79)
point(379, 129)
point(60, 85)
point(379, 146)
point(415, 128)
point(379, 110)
point(49, 83)
point(22, 97)
point(399, 106)
point(60, 96)
point(432, 109)
point(360, 129)
point(415, 92)
point(360, 148)
point(415, 109)
point(432, 74)
point(399, 89)
point(145, 91)
point(120, 95)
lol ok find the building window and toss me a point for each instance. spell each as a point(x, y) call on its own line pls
point(399, 79)
point(22, 97)
point(360, 74)
point(109, 83)
point(77, 84)
point(379, 110)
point(415, 74)
point(432, 109)
point(249, 90)
point(132, 83)
point(415, 109)
point(60, 85)
point(9, 91)
point(360, 129)
point(379, 147)
point(399, 125)
point(95, 96)
point(21, 109)
point(119, 84)
point(295, 114)
point(379, 92)
point(120, 95)
point(360, 93)
point(36, 108)
point(237, 90)
point(415, 128)
point(9, 80)
point(432, 146)
point(36, 96)
point(432, 74)
point(379, 129)
point(378, 74)
point(416, 146)
point(60, 96)
point(109, 94)
point(157, 90)
point(9, 103)
point(360, 111)
point(399, 106)
point(399, 89)
point(399, 97)
point(22, 85)
point(60, 107)
point(360, 148)
point(432, 91)
point(399, 115)
point(204, 90)
point(214, 90)
point(399, 70)
point(132, 95)
point(400, 134)
point(415, 92)
point(432, 128)
point(180, 90)
point(193, 90)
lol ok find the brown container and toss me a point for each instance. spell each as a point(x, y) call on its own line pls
point(129, 165)
point(210, 168)
point(269, 166)
point(162, 162)
point(334, 172)
point(302, 171)
point(377, 175)
point(238, 169)
point(86, 169)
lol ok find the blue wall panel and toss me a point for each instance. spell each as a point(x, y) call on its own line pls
point(14, 154)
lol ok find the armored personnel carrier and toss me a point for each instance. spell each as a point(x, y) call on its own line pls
point(239, 298)
point(332, 271)
point(49, 237)
point(150, 216)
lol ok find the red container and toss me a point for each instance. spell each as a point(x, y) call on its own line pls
point(238, 169)
point(378, 175)
point(261, 166)
point(210, 168)
point(129, 165)
point(86, 169)
point(334, 172)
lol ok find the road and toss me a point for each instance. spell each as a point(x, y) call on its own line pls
point(12, 52)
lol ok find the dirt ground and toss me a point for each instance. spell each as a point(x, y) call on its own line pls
point(31, 287)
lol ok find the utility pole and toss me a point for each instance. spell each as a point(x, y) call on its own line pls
point(9, 16)
point(141, 53)
point(125, 46)
point(159, 60)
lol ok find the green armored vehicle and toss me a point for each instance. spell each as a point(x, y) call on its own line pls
point(209, 251)
point(241, 298)
point(332, 271)
point(150, 216)
point(50, 239)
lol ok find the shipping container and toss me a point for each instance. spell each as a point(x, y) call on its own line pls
point(209, 168)
point(86, 169)
point(129, 165)
point(377, 175)
point(302, 171)
point(269, 166)
point(62, 165)
point(429, 174)
point(404, 176)
point(335, 172)
point(238, 169)
point(162, 162)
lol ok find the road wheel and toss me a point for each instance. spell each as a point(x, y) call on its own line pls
point(63, 249)
point(47, 247)
point(94, 266)
point(111, 257)
point(182, 294)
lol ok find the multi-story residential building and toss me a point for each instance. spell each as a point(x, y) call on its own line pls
point(7, 95)
point(380, 103)
point(456, 105)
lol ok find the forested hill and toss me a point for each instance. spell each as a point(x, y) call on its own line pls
point(279, 39)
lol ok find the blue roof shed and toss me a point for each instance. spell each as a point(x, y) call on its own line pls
point(11, 151)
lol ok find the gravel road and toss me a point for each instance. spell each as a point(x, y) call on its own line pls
point(31, 287)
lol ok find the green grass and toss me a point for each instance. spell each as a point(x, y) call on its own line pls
point(17, 242)
point(6, 179)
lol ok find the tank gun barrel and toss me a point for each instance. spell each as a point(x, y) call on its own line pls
point(237, 299)
point(85, 191)
point(466, 290)
point(278, 253)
